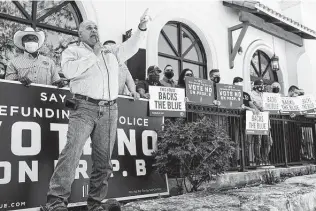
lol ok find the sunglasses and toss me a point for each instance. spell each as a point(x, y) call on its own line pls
point(189, 74)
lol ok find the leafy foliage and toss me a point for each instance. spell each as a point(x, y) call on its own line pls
point(200, 150)
point(55, 42)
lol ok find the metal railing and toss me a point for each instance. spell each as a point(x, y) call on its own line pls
point(291, 140)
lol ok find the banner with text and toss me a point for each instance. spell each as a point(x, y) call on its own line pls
point(271, 102)
point(308, 104)
point(33, 128)
point(167, 101)
point(290, 105)
point(257, 124)
point(230, 96)
point(199, 90)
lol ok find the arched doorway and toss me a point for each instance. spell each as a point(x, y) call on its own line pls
point(58, 19)
point(180, 47)
point(260, 68)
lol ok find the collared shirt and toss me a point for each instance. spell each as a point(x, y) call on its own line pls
point(40, 70)
point(167, 82)
point(97, 76)
point(257, 98)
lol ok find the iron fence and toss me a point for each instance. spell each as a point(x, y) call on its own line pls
point(291, 140)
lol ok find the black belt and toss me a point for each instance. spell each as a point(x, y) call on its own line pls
point(94, 101)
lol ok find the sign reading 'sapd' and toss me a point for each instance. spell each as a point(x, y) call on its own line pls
point(166, 101)
point(257, 124)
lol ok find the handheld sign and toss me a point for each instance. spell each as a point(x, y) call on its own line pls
point(307, 104)
point(257, 124)
point(166, 101)
point(290, 105)
point(230, 96)
point(271, 102)
point(199, 90)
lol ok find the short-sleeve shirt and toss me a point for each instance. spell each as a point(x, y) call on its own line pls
point(145, 85)
point(40, 70)
point(247, 99)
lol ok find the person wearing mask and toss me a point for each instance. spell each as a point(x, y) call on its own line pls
point(215, 77)
point(247, 105)
point(276, 88)
point(247, 102)
point(297, 132)
point(256, 96)
point(93, 70)
point(184, 73)
point(168, 75)
point(294, 91)
point(152, 80)
point(126, 82)
point(31, 66)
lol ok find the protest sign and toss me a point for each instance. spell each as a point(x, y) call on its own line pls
point(199, 90)
point(271, 102)
point(257, 124)
point(33, 128)
point(167, 101)
point(307, 104)
point(290, 105)
point(230, 96)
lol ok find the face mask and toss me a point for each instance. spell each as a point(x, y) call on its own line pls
point(169, 75)
point(275, 89)
point(239, 84)
point(31, 47)
point(260, 89)
point(217, 79)
point(153, 78)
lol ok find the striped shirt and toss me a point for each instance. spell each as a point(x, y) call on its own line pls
point(40, 70)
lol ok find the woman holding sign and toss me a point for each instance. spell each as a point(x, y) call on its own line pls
point(185, 73)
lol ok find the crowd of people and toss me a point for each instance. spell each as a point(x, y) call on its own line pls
point(32, 67)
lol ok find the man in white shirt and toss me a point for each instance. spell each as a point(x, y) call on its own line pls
point(93, 72)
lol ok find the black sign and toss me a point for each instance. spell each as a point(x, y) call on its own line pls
point(33, 127)
point(199, 90)
point(230, 96)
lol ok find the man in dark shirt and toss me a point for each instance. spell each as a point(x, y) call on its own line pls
point(152, 80)
point(247, 105)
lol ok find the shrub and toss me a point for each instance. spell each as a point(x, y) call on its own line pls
point(198, 151)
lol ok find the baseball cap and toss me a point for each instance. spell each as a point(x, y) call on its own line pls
point(258, 82)
point(237, 79)
point(153, 68)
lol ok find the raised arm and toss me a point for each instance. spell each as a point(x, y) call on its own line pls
point(130, 47)
point(72, 66)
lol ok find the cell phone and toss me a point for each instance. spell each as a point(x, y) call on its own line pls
point(72, 104)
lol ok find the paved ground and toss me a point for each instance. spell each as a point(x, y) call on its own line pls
point(294, 194)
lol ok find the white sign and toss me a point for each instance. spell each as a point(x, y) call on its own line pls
point(307, 103)
point(290, 105)
point(257, 124)
point(271, 102)
point(167, 101)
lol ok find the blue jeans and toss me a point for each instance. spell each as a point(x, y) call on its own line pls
point(99, 122)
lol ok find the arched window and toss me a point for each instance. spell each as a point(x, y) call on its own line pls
point(260, 68)
point(180, 47)
point(58, 19)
